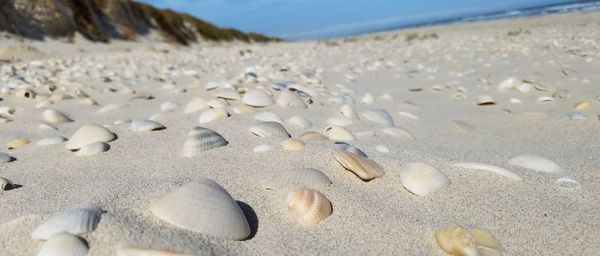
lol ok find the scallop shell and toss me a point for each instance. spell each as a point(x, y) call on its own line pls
point(459, 241)
point(5, 158)
point(398, 133)
point(17, 143)
point(534, 162)
point(194, 105)
point(485, 100)
point(145, 126)
point(257, 98)
point(77, 221)
point(63, 244)
point(308, 207)
point(379, 116)
point(88, 134)
point(489, 168)
point(268, 117)
point(6, 184)
point(300, 122)
point(348, 111)
point(205, 207)
point(292, 145)
point(298, 177)
point(93, 149)
point(54, 117)
point(349, 148)
point(364, 168)
point(312, 136)
point(269, 129)
point(422, 179)
point(148, 252)
point(168, 106)
point(202, 139)
point(212, 115)
point(290, 99)
point(338, 134)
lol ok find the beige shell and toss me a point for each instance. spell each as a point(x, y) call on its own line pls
point(257, 98)
point(217, 103)
point(337, 133)
point(422, 179)
point(168, 106)
point(88, 134)
point(535, 162)
point(485, 100)
point(459, 241)
point(308, 207)
point(212, 115)
point(292, 145)
point(54, 117)
point(63, 244)
point(205, 207)
point(581, 105)
point(312, 136)
point(268, 117)
point(243, 109)
point(17, 143)
point(131, 251)
point(269, 129)
point(6, 184)
point(202, 139)
point(88, 101)
point(297, 177)
point(364, 168)
point(290, 99)
point(194, 105)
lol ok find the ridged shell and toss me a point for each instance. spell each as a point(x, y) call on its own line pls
point(88, 134)
point(298, 177)
point(93, 149)
point(422, 179)
point(300, 122)
point(292, 145)
point(268, 117)
point(194, 105)
point(257, 98)
point(459, 241)
point(308, 207)
point(55, 117)
point(349, 148)
point(312, 136)
point(5, 158)
point(6, 184)
point(77, 221)
point(269, 129)
point(212, 115)
point(489, 168)
point(484, 100)
point(148, 252)
point(205, 207)
point(64, 245)
point(379, 116)
point(338, 134)
point(534, 162)
point(364, 168)
point(145, 126)
point(202, 139)
point(17, 143)
point(290, 99)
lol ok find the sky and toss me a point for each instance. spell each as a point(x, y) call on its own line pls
point(307, 19)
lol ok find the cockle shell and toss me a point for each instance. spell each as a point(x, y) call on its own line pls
point(194, 105)
point(364, 168)
point(297, 177)
point(5, 158)
point(212, 115)
point(489, 168)
point(6, 184)
point(485, 100)
point(534, 162)
point(145, 126)
point(290, 99)
point(422, 179)
point(148, 252)
point(93, 149)
point(54, 117)
point(88, 134)
point(308, 207)
point(379, 116)
point(300, 122)
point(202, 139)
point(17, 143)
point(292, 145)
point(77, 221)
point(349, 148)
point(338, 134)
point(459, 241)
point(545, 99)
point(205, 207)
point(217, 103)
point(63, 244)
point(257, 98)
point(268, 117)
point(312, 136)
point(269, 129)
point(51, 141)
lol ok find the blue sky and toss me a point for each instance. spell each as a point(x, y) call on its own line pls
point(300, 19)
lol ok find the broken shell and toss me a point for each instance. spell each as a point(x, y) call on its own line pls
point(205, 207)
point(290, 99)
point(489, 168)
point(298, 177)
point(308, 207)
point(422, 179)
point(364, 168)
point(312, 136)
point(212, 115)
point(194, 105)
point(63, 244)
point(299, 121)
point(338, 134)
point(202, 139)
point(93, 149)
point(581, 105)
point(77, 221)
point(262, 148)
point(257, 98)
point(54, 117)
point(145, 126)
point(88, 134)
point(292, 145)
point(6, 184)
point(269, 129)
point(17, 143)
point(148, 252)
point(51, 141)
point(534, 162)
point(567, 183)
point(379, 116)
point(484, 100)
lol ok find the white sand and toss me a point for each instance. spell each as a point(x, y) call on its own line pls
point(380, 217)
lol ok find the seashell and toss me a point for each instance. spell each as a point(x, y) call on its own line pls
point(507, 84)
point(214, 114)
point(485, 100)
point(4, 120)
point(88, 101)
point(561, 94)
point(515, 101)
point(545, 99)
point(7, 111)
point(368, 99)
point(88, 134)
point(145, 126)
point(308, 207)
point(349, 148)
point(290, 99)
point(47, 127)
point(408, 115)
point(304, 91)
point(578, 116)
point(422, 179)
point(122, 121)
point(243, 109)
point(489, 168)
point(138, 96)
point(64, 245)
point(194, 105)
point(297, 177)
point(523, 87)
point(382, 149)
point(202, 139)
point(269, 129)
point(111, 107)
point(300, 122)
point(262, 148)
point(59, 96)
point(93, 149)
point(364, 168)
point(129, 251)
point(312, 136)
point(582, 105)
point(257, 98)
point(75, 222)
point(168, 106)
point(379, 116)
point(228, 95)
point(205, 207)
point(5, 158)
point(279, 86)
point(211, 86)
point(292, 145)
point(268, 117)
point(25, 93)
point(567, 183)
point(17, 143)
point(396, 132)
point(386, 97)
point(43, 104)
point(534, 162)
point(6, 184)
point(338, 134)
point(54, 117)
point(51, 141)
point(217, 103)
point(459, 241)
point(348, 111)
point(339, 121)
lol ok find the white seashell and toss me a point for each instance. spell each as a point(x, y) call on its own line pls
point(339, 121)
point(364, 168)
point(122, 121)
point(7, 111)
point(534, 162)
point(148, 252)
point(194, 105)
point(348, 111)
point(308, 207)
point(338, 134)
point(205, 207)
point(145, 126)
point(485, 100)
point(386, 97)
point(5, 158)
point(292, 145)
point(368, 99)
point(269, 129)
point(298, 177)
point(396, 132)
point(382, 149)
point(290, 99)
point(349, 148)
point(312, 136)
point(88, 134)
point(507, 85)
point(365, 134)
point(243, 109)
point(268, 117)
point(17, 143)
point(489, 168)
point(88, 101)
point(300, 122)
point(214, 114)
point(43, 104)
point(202, 139)
point(93, 149)
point(51, 141)
point(63, 245)
point(578, 116)
point(422, 179)
point(257, 98)
point(77, 221)
point(111, 107)
point(567, 183)
point(211, 86)
point(262, 148)
point(168, 106)
point(515, 101)
point(46, 127)
point(304, 90)
point(6, 184)
point(54, 117)
point(523, 87)
point(228, 95)
point(217, 103)
point(545, 99)
point(379, 116)
point(408, 115)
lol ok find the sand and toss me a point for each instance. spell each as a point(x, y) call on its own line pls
point(380, 217)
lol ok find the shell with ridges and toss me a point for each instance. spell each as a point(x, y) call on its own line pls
point(202, 139)
point(364, 168)
point(290, 99)
point(422, 179)
point(298, 177)
point(269, 129)
point(194, 105)
point(88, 134)
point(300, 122)
point(257, 98)
point(534, 162)
point(63, 244)
point(308, 207)
point(77, 221)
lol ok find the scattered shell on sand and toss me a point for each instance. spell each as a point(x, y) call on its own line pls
point(168, 106)
point(55, 117)
point(77, 221)
point(545, 99)
point(485, 100)
point(339, 121)
point(88, 134)
point(459, 241)
point(379, 116)
point(202, 139)
point(257, 98)
point(243, 109)
point(382, 149)
point(308, 207)
point(5, 158)
point(336, 133)
point(93, 149)
point(111, 107)
point(262, 148)
point(228, 94)
point(312, 136)
point(17, 143)
point(300, 122)
point(348, 111)
point(51, 141)
point(567, 183)
point(217, 103)
point(214, 114)
point(6, 184)
point(269, 129)
point(205, 207)
point(290, 99)
point(63, 244)
point(364, 168)
point(194, 105)
point(577, 116)
point(145, 126)
point(534, 162)
point(422, 179)
point(396, 132)
point(292, 145)
point(489, 168)
point(130, 251)
point(349, 148)
point(47, 127)
point(268, 117)
point(298, 177)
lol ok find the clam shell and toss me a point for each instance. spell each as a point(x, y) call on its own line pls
point(217, 103)
point(88, 134)
point(312, 136)
point(349, 148)
point(148, 252)
point(489, 168)
point(205, 207)
point(6, 184)
point(111, 107)
point(202, 139)
point(300, 122)
point(77, 221)
point(268, 117)
point(64, 245)
point(269, 129)
point(257, 98)
point(168, 106)
point(298, 177)
point(54, 117)
point(534, 162)
point(422, 179)
point(379, 116)
point(485, 100)
point(545, 99)
point(194, 105)
point(212, 115)
point(348, 111)
point(17, 143)
point(507, 84)
point(290, 99)
point(93, 149)
point(243, 109)
point(308, 207)
point(47, 127)
point(292, 145)
point(145, 126)
point(364, 168)
point(5, 158)
point(338, 134)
